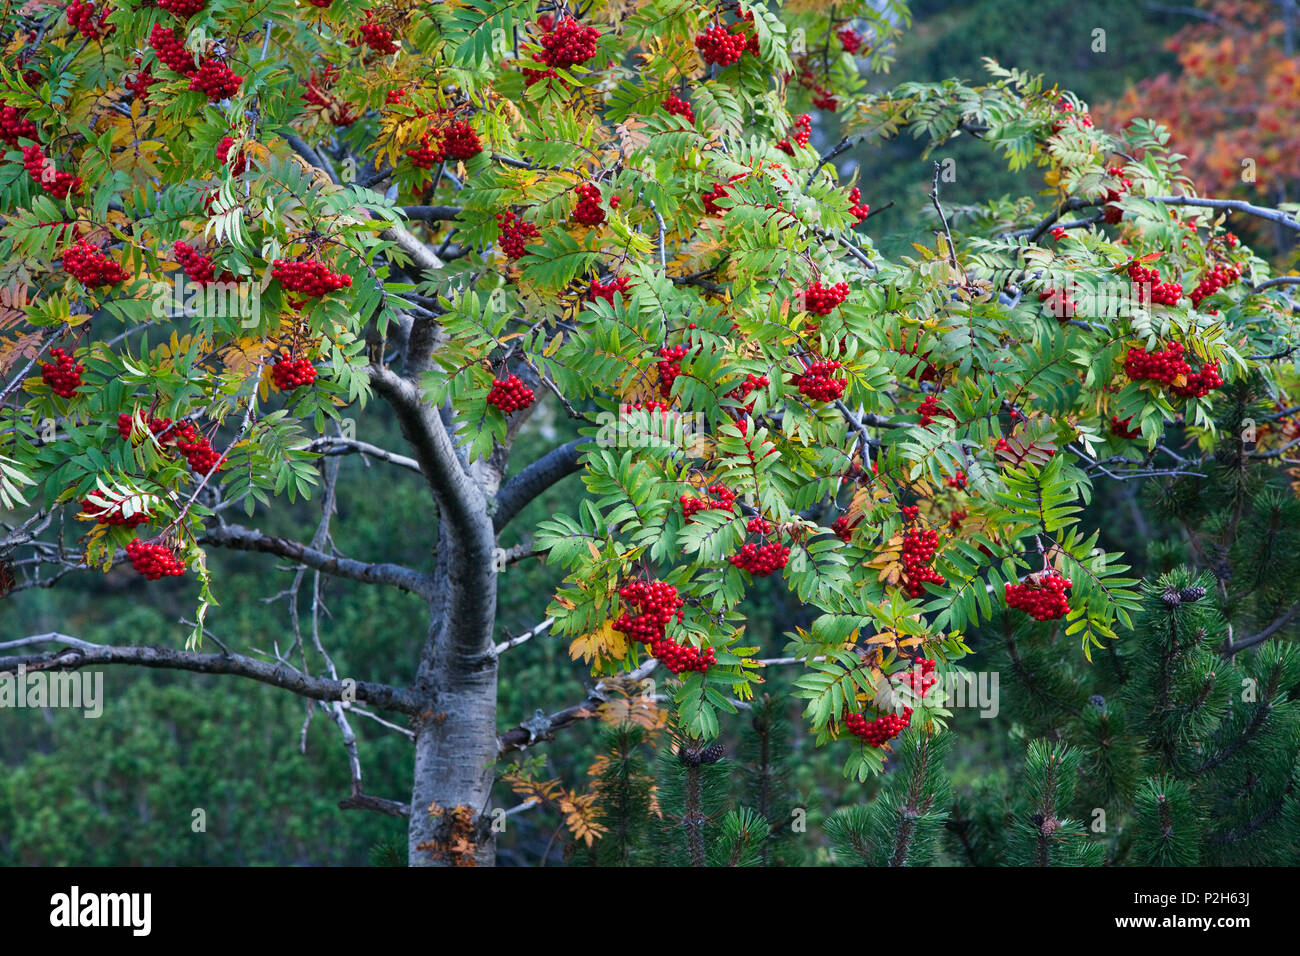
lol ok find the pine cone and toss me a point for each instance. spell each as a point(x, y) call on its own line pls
point(712, 753)
point(1191, 595)
point(1171, 598)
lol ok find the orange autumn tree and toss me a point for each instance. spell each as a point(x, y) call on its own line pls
point(1231, 106)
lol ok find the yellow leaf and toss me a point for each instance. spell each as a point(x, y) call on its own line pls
point(605, 644)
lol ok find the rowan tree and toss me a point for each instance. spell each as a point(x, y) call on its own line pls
point(464, 213)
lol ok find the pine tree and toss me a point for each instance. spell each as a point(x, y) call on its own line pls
point(625, 796)
point(764, 762)
point(903, 825)
point(1041, 833)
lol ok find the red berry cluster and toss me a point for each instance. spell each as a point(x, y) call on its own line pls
point(510, 394)
point(1220, 277)
point(820, 299)
point(154, 561)
point(922, 371)
point(1199, 384)
point(842, 527)
point(919, 546)
point(376, 36)
point(197, 266)
point(140, 81)
point(424, 156)
point(63, 375)
point(850, 39)
point(1041, 596)
point(57, 183)
point(309, 276)
point(761, 559)
point(818, 383)
point(669, 367)
point(677, 106)
point(606, 290)
point(514, 234)
point(568, 44)
point(14, 124)
point(750, 384)
point(1163, 366)
point(1121, 429)
point(200, 455)
point(1148, 287)
point(859, 210)
point(930, 411)
point(181, 9)
point(725, 501)
point(711, 197)
point(460, 140)
point(81, 17)
point(238, 163)
point(588, 211)
point(878, 732)
point(802, 132)
point(84, 262)
point(658, 604)
point(647, 406)
point(957, 481)
point(724, 47)
point(1059, 304)
point(289, 373)
point(1114, 213)
point(215, 80)
point(824, 99)
point(170, 50)
point(1081, 120)
point(920, 678)
point(111, 514)
point(563, 45)
point(718, 45)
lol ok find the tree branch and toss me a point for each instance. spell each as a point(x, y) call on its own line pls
point(431, 213)
point(1230, 205)
point(78, 654)
point(542, 727)
point(336, 445)
point(240, 538)
point(556, 464)
point(1268, 632)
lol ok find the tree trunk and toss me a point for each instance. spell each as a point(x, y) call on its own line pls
point(456, 739)
point(455, 757)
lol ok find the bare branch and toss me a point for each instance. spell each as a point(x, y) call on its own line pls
point(78, 654)
point(240, 538)
point(337, 445)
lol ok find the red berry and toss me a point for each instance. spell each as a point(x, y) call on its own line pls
point(84, 262)
point(677, 106)
point(820, 299)
point(154, 561)
point(309, 276)
point(510, 394)
point(1042, 596)
point(515, 234)
point(289, 373)
point(63, 375)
